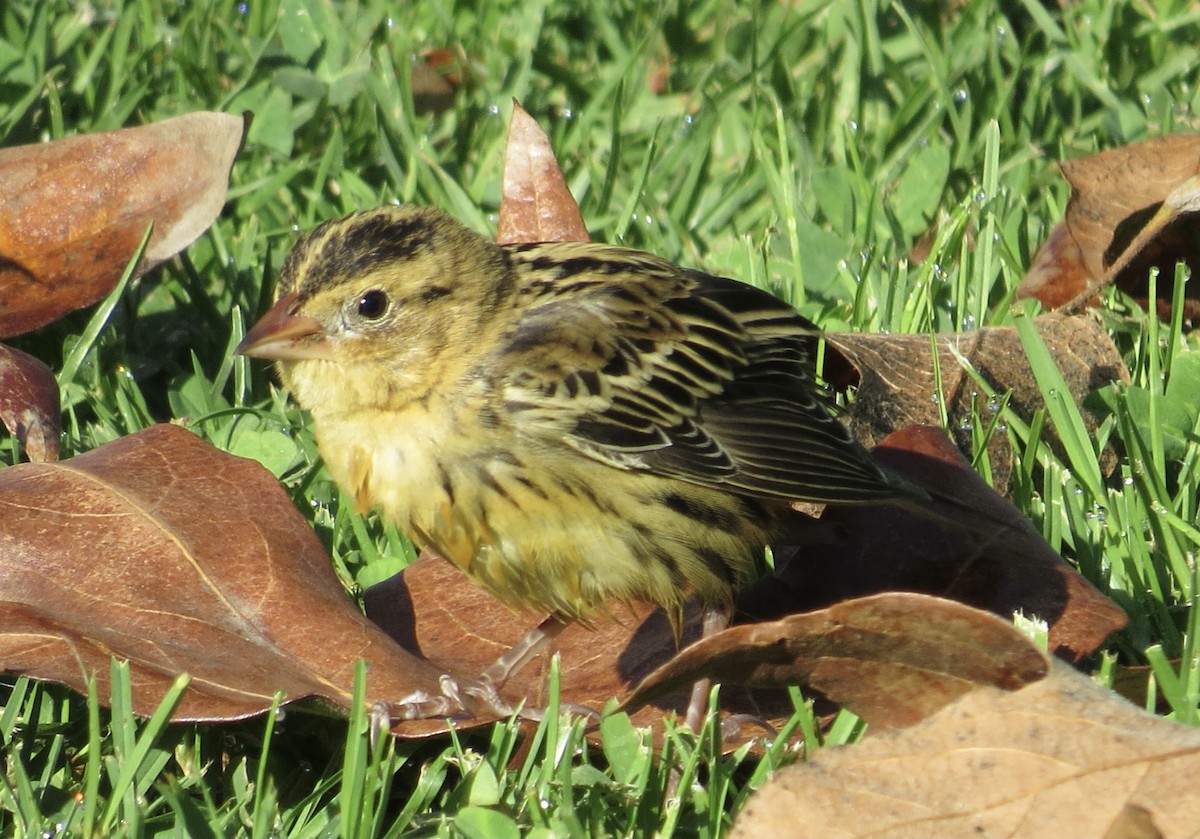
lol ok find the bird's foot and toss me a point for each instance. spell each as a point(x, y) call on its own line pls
point(463, 699)
point(458, 699)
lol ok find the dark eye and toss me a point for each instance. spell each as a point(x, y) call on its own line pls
point(373, 304)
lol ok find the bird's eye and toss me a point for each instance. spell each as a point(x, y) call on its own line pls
point(372, 304)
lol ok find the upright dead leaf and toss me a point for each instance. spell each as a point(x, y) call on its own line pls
point(537, 205)
point(160, 549)
point(1061, 757)
point(73, 211)
point(29, 403)
point(1131, 209)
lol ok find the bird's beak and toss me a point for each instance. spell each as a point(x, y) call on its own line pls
point(283, 335)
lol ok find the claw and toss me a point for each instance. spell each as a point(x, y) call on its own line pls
point(421, 705)
point(484, 689)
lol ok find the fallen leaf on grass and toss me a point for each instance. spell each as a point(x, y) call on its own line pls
point(160, 549)
point(29, 403)
point(1131, 209)
point(1061, 757)
point(896, 385)
point(73, 211)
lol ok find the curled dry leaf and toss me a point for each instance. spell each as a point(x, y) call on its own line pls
point(894, 374)
point(1061, 757)
point(893, 658)
point(1131, 209)
point(73, 211)
point(29, 403)
point(537, 206)
point(160, 549)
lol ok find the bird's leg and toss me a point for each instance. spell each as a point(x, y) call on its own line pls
point(486, 686)
point(713, 622)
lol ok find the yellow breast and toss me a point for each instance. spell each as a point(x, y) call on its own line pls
point(542, 531)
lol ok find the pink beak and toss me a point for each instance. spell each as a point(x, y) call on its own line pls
point(283, 335)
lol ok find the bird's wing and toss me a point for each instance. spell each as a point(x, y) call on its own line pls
point(681, 374)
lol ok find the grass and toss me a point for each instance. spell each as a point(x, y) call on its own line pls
point(805, 147)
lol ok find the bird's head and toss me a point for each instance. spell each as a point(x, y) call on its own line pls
point(381, 306)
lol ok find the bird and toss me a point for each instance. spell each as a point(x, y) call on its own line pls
point(571, 424)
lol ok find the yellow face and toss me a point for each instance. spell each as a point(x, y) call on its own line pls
point(381, 306)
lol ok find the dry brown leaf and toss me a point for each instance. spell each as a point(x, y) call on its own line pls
point(73, 211)
point(893, 659)
point(537, 205)
point(1061, 757)
point(29, 405)
point(894, 374)
point(160, 549)
point(1131, 209)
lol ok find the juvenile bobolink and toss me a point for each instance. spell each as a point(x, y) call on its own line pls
point(567, 423)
